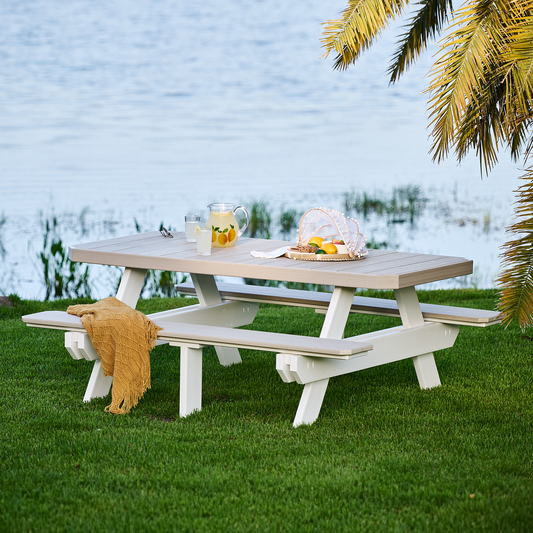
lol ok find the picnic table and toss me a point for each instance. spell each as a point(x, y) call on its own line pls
point(222, 307)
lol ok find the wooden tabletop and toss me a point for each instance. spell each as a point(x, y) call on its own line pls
point(381, 269)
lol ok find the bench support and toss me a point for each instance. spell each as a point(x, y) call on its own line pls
point(390, 345)
point(226, 314)
point(190, 379)
point(409, 307)
point(415, 339)
point(207, 293)
point(333, 328)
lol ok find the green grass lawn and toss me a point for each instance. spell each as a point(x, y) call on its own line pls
point(383, 455)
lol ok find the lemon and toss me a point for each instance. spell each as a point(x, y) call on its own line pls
point(316, 240)
point(222, 239)
point(329, 248)
point(231, 234)
point(213, 236)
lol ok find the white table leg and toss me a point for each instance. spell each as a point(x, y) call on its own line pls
point(207, 293)
point(333, 328)
point(128, 292)
point(131, 286)
point(409, 307)
point(190, 380)
point(338, 311)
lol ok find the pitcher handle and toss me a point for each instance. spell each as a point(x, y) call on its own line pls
point(241, 230)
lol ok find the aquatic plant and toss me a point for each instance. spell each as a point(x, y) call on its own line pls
point(260, 220)
point(407, 201)
point(162, 283)
point(372, 244)
point(61, 277)
point(363, 203)
point(3, 221)
point(288, 221)
point(404, 204)
point(486, 221)
point(9, 280)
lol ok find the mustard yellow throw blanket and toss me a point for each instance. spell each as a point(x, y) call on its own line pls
point(123, 339)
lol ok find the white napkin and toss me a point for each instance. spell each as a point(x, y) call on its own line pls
point(271, 255)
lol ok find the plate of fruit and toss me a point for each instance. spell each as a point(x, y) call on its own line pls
point(327, 235)
point(319, 249)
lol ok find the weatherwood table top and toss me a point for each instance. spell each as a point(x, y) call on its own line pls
point(381, 269)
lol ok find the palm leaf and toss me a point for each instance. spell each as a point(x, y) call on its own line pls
point(425, 25)
point(481, 125)
point(518, 68)
point(460, 75)
point(516, 280)
point(362, 21)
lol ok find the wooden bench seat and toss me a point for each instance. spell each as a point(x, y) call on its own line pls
point(361, 304)
point(176, 333)
point(191, 338)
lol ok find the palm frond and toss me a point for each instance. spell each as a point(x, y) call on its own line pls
point(516, 280)
point(480, 126)
point(471, 51)
point(517, 139)
point(516, 110)
point(529, 146)
point(362, 21)
point(517, 69)
point(425, 25)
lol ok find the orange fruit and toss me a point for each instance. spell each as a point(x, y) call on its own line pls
point(231, 234)
point(316, 240)
point(213, 235)
point(222, 239)
point(329, 248)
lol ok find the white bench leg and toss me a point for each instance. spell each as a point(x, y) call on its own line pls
point(425, 366)
point(99, 385)
point(333, 328)
point(310, 402)
point(80, 347)
point(207, 293)
point(190, 380)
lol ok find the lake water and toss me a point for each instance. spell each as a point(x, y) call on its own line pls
point(147, 110)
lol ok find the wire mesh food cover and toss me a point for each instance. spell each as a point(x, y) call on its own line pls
point(330, 224)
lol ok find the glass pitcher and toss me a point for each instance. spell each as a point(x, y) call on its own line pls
point(224, 227)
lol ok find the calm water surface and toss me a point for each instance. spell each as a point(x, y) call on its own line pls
point(147, 110)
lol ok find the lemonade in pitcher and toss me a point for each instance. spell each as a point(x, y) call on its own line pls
point(224, 227)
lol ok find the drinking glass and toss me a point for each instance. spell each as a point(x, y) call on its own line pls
point(191, 222)
point(203, 241)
